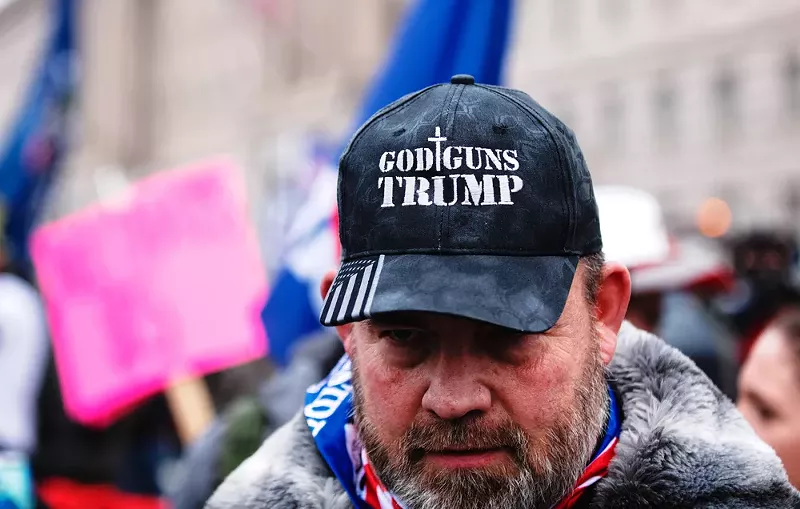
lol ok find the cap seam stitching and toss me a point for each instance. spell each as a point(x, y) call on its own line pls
point(452, 122)
point(550, 132)
point(439, 213)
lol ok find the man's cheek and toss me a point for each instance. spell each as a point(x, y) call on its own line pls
point(545, 391)
point(388, 401)
point(553, 374)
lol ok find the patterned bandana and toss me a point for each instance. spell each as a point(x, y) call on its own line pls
point(328, 412)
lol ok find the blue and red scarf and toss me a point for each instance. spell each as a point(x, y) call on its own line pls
point(328, 412)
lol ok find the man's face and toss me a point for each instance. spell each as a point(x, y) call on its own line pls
point(769, 397)
point(458, 413)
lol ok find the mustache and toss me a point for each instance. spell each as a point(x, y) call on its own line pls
point(463, 434)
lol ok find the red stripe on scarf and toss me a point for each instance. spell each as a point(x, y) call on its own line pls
point(596, 470)
point(376, 494)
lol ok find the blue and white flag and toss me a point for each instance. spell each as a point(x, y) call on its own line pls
point(30, 157)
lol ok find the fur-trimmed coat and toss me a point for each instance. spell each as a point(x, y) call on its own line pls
point(682, 445)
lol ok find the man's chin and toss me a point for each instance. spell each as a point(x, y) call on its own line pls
point(496, 484)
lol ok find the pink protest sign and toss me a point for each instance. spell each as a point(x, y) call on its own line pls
point(165, 283)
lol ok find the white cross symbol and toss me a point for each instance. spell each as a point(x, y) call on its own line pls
point(438, 139)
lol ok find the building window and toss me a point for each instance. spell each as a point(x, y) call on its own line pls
point(726, 100)
point(613, 118)
point(565, 18)
point(615, 12)
point(791, 85)
point(665, 105)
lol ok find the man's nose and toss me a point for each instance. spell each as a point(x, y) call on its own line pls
point(455, 390)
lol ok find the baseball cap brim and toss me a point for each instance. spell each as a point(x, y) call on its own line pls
point(523, 293)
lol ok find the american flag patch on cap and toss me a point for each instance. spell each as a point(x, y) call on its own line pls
point(350, 297)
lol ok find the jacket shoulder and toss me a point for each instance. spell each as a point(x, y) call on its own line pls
point(683, 443)
point(286, 472)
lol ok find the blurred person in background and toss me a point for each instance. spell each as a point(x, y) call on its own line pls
point(247, 421)
point(769, 388)
point(671, 280)
point(130, 464)
point(24, 346)
point(766, 282)
point(77, 466)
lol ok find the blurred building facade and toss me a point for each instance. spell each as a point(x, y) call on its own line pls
point(687, 99)
point(169, 83)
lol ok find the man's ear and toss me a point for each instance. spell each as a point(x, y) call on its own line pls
point(342, 330)
point(612, 304)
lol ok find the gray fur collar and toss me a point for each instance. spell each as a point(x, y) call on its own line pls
point(682, 445)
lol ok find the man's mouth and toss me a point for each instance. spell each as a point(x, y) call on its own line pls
point(466, 458)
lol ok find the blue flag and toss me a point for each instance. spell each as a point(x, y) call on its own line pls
point(436, 40)
point(33, 152)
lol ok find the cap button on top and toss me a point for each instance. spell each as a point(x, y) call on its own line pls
point(462, 79)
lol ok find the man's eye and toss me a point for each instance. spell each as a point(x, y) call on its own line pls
point(505, 345)
point(402, 337)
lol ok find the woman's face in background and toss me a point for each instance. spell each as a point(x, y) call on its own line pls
point(769, 396)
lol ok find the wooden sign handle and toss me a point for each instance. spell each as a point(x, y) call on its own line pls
point(192, 407)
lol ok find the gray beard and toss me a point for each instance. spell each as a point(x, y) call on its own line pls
point(545, 470)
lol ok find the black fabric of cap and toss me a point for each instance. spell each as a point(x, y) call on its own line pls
point(464, 199)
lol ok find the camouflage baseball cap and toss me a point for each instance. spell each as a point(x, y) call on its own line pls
point(463, 199)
